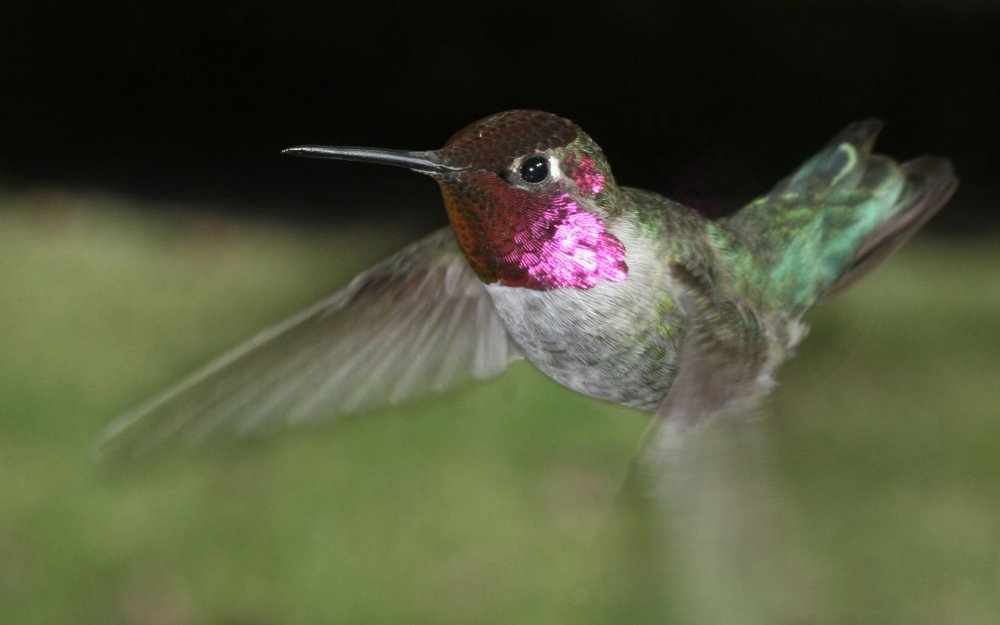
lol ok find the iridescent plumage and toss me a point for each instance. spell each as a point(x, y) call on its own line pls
point(617, 293)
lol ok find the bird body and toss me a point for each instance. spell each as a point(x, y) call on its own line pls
point(617, 293)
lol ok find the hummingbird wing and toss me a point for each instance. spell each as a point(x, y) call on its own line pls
point(723, 364)
point(420, 320)
point(728, 544)
point(723, 524)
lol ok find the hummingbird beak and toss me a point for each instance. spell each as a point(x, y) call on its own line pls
point(426, 162)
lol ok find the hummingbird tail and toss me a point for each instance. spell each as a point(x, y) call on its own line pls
point(838, 216)
point(929, 182)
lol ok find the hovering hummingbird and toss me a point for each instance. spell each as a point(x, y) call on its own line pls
point(617, 293)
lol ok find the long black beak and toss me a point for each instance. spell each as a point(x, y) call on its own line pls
point(426, 162)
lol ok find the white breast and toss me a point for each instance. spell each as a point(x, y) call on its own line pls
point(608, 341)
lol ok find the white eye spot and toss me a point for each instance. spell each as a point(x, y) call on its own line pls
point(554, 170)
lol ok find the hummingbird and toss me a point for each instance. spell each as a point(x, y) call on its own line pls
point(615, 292)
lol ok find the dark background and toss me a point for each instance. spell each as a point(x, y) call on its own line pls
point(708, 102)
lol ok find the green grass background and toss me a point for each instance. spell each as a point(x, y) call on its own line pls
point(499, 503)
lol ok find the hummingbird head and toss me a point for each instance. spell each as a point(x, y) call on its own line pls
point(528, 195)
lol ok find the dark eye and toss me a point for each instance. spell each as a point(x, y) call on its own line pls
point(534, 169)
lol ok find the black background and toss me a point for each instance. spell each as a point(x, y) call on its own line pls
point(708, 102)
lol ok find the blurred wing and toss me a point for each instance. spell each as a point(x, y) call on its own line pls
point(723, 365)
point(420, 320)
point(725, 527)
point(727, 543)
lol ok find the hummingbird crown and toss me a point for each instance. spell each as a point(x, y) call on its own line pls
point(527, 194)
point(494, 142)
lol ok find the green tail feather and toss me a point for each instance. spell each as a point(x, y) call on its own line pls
point(835, 219)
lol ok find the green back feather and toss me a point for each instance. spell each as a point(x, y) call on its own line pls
point(833, 220)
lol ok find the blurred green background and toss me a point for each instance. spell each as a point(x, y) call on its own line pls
point(869, 495)
point(500, 503)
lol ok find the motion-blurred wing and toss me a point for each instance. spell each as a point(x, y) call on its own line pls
point(420, 320)
point(727, 544)
point(723, 365)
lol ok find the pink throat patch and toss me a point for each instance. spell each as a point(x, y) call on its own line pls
point(567, 246)
point(584, 173)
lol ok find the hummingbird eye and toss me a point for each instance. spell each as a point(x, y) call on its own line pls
point(534, 169)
